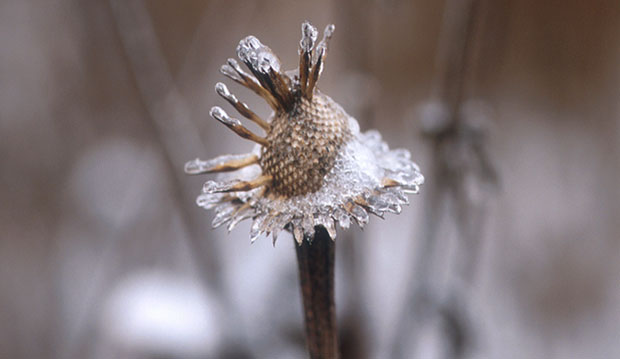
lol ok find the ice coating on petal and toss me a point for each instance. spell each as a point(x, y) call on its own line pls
point(234, 66)
point(222, 90)
point(209, 200)
point(378, 203)
point(221, 115)
point(409, 181)
point(228, 71)
point(309, 35)
point(327, 35)
point(257, 56)
point(197, 165)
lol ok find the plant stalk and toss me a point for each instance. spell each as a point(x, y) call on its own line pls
point(316, 278)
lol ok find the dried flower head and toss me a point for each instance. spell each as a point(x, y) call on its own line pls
point(314, 167)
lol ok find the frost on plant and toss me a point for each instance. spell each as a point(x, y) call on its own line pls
point(313, 167)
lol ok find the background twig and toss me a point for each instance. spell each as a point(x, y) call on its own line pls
point(458, 160)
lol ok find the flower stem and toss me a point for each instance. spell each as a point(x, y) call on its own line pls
point(316, 278)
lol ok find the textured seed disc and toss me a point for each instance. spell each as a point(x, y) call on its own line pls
point(303, 145)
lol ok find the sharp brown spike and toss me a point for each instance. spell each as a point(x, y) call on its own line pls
point(304, 69)
point(306, 44)
point(279, 89)
point(315, 73)
point(320, 55)
point(272, 82)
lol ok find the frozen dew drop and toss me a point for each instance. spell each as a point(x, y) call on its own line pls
point(329, 31)
point(222, 90)
point(194, 166)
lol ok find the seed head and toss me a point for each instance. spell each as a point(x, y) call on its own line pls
point(313, 167)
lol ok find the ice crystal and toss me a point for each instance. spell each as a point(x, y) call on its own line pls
point(315, 167)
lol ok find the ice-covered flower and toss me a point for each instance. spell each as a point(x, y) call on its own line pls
point(314, 167)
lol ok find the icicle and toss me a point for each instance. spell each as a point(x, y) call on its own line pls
point(343, 218)
point(328, 224)
point(257, 227)
point(223, 216)
point(360, 214)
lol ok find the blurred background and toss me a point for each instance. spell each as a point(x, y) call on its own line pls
point(512, 249)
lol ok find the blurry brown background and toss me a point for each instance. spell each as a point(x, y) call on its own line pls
point(104, 254)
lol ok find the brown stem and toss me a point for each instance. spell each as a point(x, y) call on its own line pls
point(316, 278)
